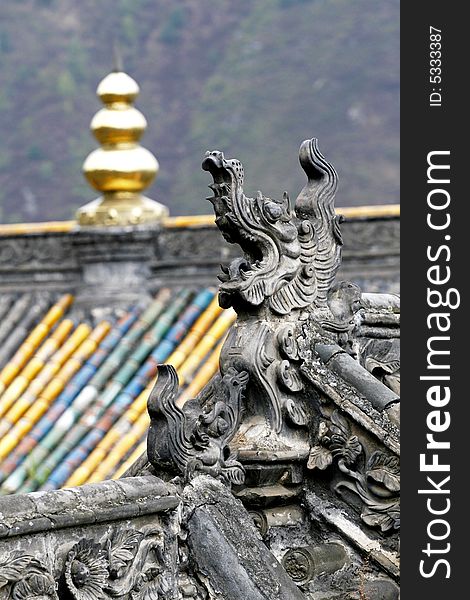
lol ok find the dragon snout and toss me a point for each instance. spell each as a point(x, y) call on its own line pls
point(213, 161)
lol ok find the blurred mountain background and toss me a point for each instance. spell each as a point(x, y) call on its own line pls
point(250, 77)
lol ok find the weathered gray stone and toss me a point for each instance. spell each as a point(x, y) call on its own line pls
point(305, 563)
point(227, 547)
point(381, 589)
point(111, 538)
point(86, 505)
point(379, 395)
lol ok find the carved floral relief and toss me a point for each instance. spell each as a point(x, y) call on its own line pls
point(375, 479)
point(125, 564)
point(25, 577)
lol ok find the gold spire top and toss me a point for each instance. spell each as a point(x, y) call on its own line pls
point(120, 169)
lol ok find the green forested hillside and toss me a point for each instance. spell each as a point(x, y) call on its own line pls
point(250, 77)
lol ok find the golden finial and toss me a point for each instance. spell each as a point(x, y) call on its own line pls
point(121, 168)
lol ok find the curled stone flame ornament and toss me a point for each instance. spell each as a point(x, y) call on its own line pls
point(195, 439)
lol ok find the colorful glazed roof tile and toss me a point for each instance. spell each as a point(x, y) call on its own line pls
point(38, 305)
point(73, 393)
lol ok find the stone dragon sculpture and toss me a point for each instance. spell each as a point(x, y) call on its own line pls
point(291, 256)
point(267, 399)
point(289, 263)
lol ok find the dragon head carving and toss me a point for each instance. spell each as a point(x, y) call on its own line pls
point(281, 257)
point(263, 228)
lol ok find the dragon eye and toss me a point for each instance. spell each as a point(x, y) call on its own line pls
point(273, 211)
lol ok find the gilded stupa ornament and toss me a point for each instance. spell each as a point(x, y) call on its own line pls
point(121, 168)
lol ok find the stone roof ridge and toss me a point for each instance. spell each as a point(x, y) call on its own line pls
point(85, 505)
point(356, 392)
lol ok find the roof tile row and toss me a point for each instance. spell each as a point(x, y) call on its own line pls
point(73, 399)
